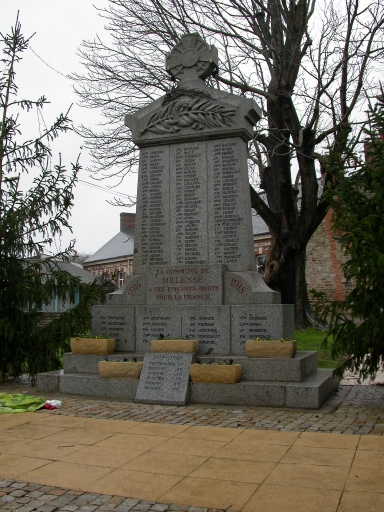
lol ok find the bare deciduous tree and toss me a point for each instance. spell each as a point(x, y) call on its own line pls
point(309, 64)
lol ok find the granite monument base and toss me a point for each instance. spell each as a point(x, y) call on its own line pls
point(293, 383)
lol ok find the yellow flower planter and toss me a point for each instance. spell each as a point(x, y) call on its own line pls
point(120, 369)
point(270, 348)
point(218, 373)
point(94, 346)
point(185, 346)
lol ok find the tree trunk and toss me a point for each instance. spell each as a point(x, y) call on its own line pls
point(285, 273)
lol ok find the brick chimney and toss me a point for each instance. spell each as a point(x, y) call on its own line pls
point(127, 219)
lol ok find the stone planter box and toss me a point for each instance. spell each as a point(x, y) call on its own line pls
point(185, 346)
point(94, 346)
point(270, 348)
point(120, 369)
point(219, 373)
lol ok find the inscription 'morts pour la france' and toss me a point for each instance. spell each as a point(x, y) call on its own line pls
point(185, 285)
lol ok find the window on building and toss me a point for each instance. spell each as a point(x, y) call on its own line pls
point(120, 279)
point(260, 262)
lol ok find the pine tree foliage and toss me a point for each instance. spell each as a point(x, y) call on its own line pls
point(357, 323)
point(29, 222)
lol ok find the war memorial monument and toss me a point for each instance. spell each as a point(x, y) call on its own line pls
point(194, 271)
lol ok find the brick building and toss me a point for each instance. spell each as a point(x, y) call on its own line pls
point(115, 259)
point(324, 256)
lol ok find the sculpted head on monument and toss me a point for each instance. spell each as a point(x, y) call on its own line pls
point(191, 58)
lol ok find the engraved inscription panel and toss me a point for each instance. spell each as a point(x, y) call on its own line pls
point(209, 324)
point(151, 322)
point(176, 285)
point(164, 379)
point(227, 219)
point(253, 322)
point(194, 206)
point(230, 223)
point(188, 204)
point(152, 242)
point(118, 322)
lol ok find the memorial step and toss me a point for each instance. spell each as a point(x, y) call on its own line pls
point(94, 385)
point(296, 369)
point(311, 393)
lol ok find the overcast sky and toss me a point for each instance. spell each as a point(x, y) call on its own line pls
point(60, 27)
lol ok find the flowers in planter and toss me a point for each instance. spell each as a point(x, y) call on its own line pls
point(125, 360)
point(225, 362)
point(162, 336)
point(268, 338)
point(281, 348)
point(89, 335)
point(89, 344)
point(224, 372)
point(204, 361)
point(168, 344)
point(120, 369)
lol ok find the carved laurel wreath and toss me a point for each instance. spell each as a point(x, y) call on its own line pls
point(189, 112)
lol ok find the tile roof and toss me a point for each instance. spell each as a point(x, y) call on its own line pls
point(120, 246)
point(77, 271)
point(258, 225)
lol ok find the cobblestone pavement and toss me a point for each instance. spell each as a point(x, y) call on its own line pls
point(25, 497)
point(351, 410)
point(357, 409)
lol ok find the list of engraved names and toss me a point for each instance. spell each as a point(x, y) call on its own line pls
point(226, 173)
point(154, 199)
point(190, 198)
point(164, 371)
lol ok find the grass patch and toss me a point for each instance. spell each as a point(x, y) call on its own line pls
point(311, 339)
